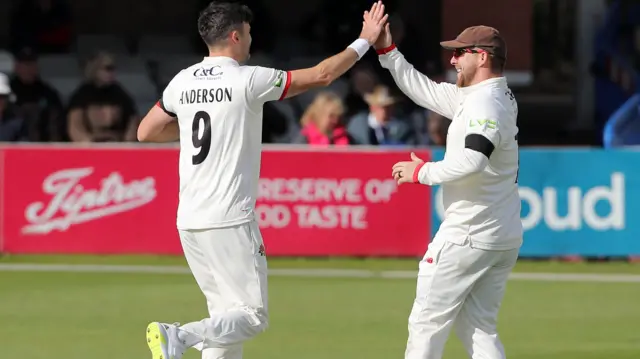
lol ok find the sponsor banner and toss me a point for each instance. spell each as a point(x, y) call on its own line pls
point(98, 201)
point(341, 203)
point(575, 202)
point(119, 201)
point(2, 217)
point(436, 218)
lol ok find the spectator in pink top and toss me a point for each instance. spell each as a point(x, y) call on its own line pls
point(322, 122)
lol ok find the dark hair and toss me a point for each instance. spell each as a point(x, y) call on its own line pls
point(497, 64)
point(218, 19)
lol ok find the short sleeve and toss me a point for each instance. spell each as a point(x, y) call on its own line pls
point(167, 101)
point(80, 97)
point(267, 84)
point(482, 127)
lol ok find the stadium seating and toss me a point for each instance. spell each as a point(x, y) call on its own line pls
point(158, 45)
point(139, 86)
point(88, 44)
point(65, 85)
point(66, 65)
point(167, 66)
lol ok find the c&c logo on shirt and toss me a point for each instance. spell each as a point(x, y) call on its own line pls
point(207, 72)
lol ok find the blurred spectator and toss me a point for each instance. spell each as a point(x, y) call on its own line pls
point(437, 129)
point(37, 102)
point(100, 110)
point(623, 127)
point(363, 81)
point(322, 122)
point(617, 59)
point(45, 25)
point(431, 127)
point(377, 126)
point(12, 127)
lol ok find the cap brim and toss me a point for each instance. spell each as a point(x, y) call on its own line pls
point(453, 44)
point(373, 102)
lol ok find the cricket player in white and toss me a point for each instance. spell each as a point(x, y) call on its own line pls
point(463, 275)
point(214, 108)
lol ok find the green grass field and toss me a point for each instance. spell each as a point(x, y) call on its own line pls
point(103, 315)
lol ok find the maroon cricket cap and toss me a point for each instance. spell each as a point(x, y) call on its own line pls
point(484, 37)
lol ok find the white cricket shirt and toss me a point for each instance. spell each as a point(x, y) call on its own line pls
point(479, 171)
point(218, 104)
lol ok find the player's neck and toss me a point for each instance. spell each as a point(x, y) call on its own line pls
point(482, 77)
point(226, 52)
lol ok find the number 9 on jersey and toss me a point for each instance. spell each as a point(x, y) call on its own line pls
point(201, 121)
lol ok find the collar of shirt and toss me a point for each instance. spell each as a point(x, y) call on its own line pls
point(219, 60)
point(492, 82)
point(373, 122)
point(377, 127)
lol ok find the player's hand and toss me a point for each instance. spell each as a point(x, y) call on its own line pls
point(403, 171)
point(373, 22)
point(384, 39)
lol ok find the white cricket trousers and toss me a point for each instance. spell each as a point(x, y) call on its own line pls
point(459, 286)
point(230, 267)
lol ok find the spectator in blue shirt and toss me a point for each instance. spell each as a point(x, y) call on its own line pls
point(378, 126)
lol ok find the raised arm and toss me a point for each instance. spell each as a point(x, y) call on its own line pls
point(326, 71)
point(438, 97)
point(266, 83)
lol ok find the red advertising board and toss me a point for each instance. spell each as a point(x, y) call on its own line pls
point(98, 201)
point(2, 217)
point(123, 201)
point(340, 203)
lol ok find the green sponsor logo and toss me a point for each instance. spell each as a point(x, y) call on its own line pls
point(279, 78)
point(485, 123)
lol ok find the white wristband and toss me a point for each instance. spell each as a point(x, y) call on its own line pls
point(360, 46)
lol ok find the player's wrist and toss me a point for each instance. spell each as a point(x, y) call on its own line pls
point(416, 173)
point(360, 46)
point(386, 49)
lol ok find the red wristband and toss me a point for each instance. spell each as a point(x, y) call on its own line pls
point(416, 172)
point(386, 49)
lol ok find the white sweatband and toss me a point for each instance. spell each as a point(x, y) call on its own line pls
point(360, 46)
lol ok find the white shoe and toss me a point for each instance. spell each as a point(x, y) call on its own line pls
point(163, 341)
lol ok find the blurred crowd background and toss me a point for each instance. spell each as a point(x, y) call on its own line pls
point(79, 71)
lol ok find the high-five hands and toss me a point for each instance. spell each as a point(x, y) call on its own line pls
point(406, 171)
point(384, 39)
point(373, 23)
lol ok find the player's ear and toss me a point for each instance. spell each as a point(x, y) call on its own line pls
point(484, 58)
point(239, 32)
point(235, 36)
